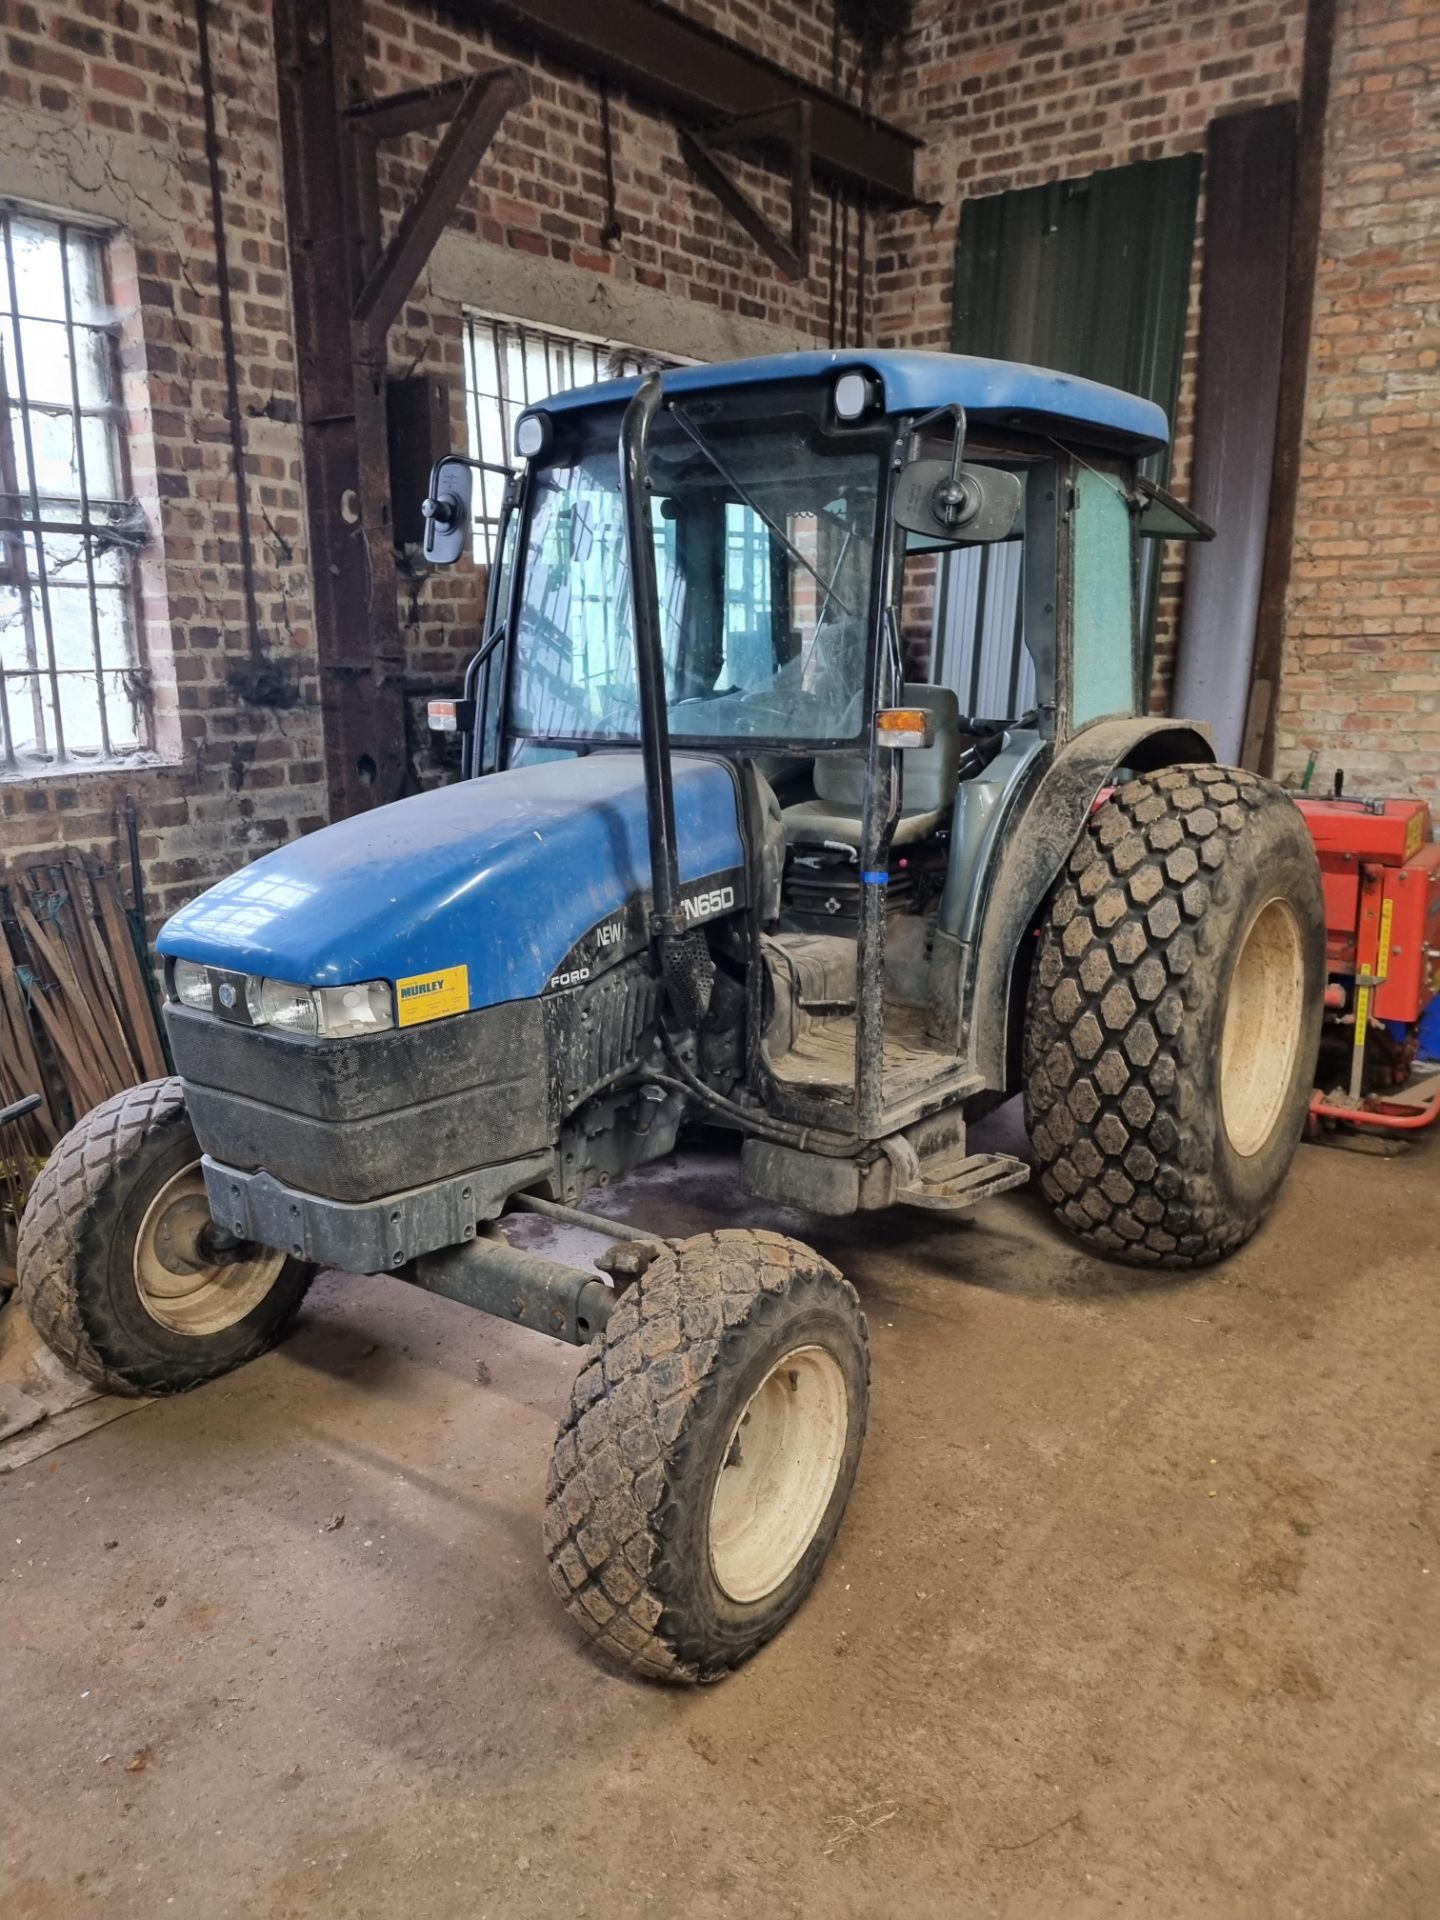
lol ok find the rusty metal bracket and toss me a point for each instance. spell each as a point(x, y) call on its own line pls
point(413, 111)
point(474, 121)
point(788, 127)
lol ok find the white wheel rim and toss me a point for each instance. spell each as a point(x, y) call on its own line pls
point(780, 1467)
point(177, 1277)
point(1264, 1014)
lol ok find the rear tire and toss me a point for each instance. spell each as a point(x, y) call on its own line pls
point(712, 1439)
point(114, 1261)
point(1174, 1016)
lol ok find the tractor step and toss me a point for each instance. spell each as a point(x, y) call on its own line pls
point(962, 1184)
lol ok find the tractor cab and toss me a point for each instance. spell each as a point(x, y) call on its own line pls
point(742, 539)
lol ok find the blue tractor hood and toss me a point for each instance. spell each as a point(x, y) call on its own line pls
point(501, 875)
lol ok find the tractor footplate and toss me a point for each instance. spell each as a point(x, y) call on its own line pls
point(964, 1183)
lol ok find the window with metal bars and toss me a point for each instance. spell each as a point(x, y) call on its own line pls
point(509, 365)
point(71, 679)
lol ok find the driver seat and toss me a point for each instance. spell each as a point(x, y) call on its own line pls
point(928, 779)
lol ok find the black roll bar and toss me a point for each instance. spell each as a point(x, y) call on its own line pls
point(666, 920)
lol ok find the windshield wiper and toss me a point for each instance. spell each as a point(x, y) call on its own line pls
point(688, 427)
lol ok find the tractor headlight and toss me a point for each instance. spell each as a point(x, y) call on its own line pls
point(191, 985)
point(275, 1003)
point(331, 1013)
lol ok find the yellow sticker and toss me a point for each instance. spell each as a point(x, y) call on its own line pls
point(1387, 920)
point(1414, 834)
point(1362, 1015)
point(430, 996)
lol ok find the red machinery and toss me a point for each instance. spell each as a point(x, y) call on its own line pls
point(1381, 871)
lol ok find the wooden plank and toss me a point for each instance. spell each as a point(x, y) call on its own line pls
point(61, 928)
point(24, 1057)
point(145, 1039)
point(84, 1090)
point(106, 1003)
point(78, 1016)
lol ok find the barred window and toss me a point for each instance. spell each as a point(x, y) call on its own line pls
point(508, 367)
point(71, 681)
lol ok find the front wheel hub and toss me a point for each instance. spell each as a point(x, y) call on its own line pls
point(187, 1278)
point(778, 1473)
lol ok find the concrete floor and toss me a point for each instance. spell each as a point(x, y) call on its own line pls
point(1134, 1611)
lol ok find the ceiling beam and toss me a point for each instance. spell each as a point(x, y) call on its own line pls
point(699, 77)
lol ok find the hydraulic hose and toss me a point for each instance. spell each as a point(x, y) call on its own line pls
point(780, 1132)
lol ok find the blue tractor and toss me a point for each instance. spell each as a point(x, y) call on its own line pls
point(714, 858)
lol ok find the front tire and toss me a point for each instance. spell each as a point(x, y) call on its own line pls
point(712, 1439)
point(116, 1263)
point(1174, 1016)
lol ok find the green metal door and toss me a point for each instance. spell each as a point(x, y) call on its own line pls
point(1091, 277)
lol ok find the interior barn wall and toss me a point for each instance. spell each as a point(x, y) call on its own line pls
point(682, 279)
point(1015, 95)
point(1360, 679)
point(102, 114)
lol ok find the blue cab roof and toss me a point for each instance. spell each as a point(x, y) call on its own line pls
point(1003, 392)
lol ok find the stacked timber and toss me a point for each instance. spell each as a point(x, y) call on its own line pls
point(78, 1013)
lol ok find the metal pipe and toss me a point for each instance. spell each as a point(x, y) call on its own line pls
point(565, 1302)
point(227, 332)
point(16, 569)
point(1379, 1116)
point(42, 575)
point(85, 545)
point(576, 1217)
point(665, 919)
point(877, 825)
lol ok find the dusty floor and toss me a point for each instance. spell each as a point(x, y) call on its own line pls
point(1134, 1611)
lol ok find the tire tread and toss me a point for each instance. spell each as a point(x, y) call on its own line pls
point(59, 1240)
point(1125, 958)
point(608, 1497)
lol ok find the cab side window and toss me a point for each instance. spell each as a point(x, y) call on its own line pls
point(1102, 652)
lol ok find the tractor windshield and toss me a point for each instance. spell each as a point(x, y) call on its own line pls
point(764, 542)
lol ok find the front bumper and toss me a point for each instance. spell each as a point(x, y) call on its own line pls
point(372, 1236)
point(361, 1118)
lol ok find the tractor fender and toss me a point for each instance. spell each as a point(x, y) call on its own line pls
point(1004, 864)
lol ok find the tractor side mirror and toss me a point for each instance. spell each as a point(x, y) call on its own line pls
point(447, 511)
point(946, 508)
point(1162, 517)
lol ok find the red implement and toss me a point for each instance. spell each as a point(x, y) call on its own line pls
point(1381, 875)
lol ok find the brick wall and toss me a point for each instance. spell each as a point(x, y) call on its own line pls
point(100, 114)
point(100, 111)
point(1361, 674)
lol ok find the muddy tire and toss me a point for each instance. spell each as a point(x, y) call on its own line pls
point(700, 1474)
point(115, 1262)
point(1174, 1016)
